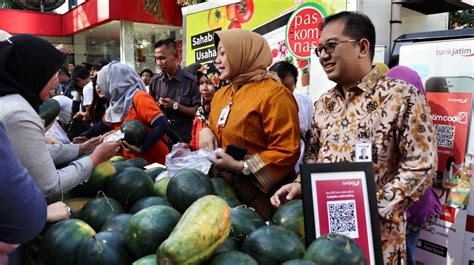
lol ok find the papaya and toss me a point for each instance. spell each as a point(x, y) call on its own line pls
point(201, 230)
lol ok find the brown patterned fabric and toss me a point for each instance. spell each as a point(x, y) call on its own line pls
point(396, 119)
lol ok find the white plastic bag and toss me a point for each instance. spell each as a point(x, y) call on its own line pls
point(181, 157)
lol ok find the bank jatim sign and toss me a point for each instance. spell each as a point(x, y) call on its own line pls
point(303, 30)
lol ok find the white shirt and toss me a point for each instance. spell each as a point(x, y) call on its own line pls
point(88, 93)
point(305, 114)
point(66, 108)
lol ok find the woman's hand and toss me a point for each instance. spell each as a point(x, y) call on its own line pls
point(88, 146)
point(286, 193)
point(207, 139)
point(104, 151)
point(57, 211)
point(80, 116)
point(79, 139)
point(225, 162)
point(129, 148)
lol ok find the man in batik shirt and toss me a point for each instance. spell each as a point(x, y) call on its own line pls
point(366, 107)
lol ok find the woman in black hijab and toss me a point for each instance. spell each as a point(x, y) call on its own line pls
point(28, 74)
point(27, 64)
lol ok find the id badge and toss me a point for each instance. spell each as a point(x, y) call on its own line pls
point(363, 151)
point(223, 117)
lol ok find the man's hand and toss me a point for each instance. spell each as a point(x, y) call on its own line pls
point(207, 139)
point(104, 151)
point(166, 103)
point(64, 49)
point(286, 193)
point(129, 148)
point(224, 161)
point(88, 146)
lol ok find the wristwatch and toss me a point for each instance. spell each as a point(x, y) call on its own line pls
point(175, 105)
point(246, 170)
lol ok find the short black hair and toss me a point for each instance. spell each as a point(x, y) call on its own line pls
point(283, 69)
point(146, 70)
point(80, 71)
point(64, 71)
point(169, 43)
point(357, 26)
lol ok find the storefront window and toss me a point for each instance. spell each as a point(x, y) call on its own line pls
point(102, 42)
point(145, 36)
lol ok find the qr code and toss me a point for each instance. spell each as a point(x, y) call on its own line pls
point(445, 135)
point(343, 218)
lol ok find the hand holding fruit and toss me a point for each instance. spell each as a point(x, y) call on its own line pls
point(129, 148)
point(224, 161)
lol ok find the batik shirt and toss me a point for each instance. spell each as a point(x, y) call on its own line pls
point(395, 118)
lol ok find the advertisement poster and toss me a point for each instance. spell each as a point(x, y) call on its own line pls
point(341, 206)
point(447, 71)
point(451, 115)
point(290, 35)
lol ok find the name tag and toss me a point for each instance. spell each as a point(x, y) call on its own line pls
point(363, 151)
point(223, 117)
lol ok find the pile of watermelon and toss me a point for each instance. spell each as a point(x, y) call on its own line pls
point(121, 216)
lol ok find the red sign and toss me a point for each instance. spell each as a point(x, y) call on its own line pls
point(341, 208)
point(451, 116)
point(304, 29)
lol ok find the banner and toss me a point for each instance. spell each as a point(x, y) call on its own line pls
point(291, 28)
point(450, 113)
point(447, 71)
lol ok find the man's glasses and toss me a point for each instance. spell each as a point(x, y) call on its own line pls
point(330, 46)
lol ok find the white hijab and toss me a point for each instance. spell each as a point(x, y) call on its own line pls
point(119, 82)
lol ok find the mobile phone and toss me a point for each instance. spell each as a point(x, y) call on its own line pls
point(236, 151)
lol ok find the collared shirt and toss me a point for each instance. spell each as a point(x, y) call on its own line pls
point(394, 116)
point(182, 87)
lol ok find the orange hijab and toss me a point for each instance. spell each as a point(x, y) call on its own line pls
point(248, 53)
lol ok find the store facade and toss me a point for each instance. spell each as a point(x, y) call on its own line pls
point(101, 29)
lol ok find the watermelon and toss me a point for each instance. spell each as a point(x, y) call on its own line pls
point(49, 110)
point(186, 187)
point(335, 249)
point(147, 202)
point(121, 165)
point(76, 205)
point(231, 258)
point(233, 202)
point(138, 162)
point(223, 189)
point(298, 262)
point(97, 211)
point(135, 132)
point(154, 172)
point(129, 186)
point(117, 158)
point(159, 188)
point(104, 248)
point(117, 224)
point(229, 245)
point(273, 245)
point(148, 228)
point(147, 260)
point(290, 216)
point(203, 228)
point(100, 175)
point(62, 240)
point(243, 221)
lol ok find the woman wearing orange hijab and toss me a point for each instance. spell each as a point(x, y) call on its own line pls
point(255, 112)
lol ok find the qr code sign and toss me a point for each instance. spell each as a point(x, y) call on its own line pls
point(343, 218)
point(445, 135)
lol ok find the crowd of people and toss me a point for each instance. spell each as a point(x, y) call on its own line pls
point(239, 100)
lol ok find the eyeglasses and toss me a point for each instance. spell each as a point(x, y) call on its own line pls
point(330, 46)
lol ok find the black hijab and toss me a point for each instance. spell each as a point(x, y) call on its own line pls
point(27, 63)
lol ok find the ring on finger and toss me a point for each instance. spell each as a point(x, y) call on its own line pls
point(68, 209)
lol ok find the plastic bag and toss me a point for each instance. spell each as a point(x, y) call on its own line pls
point(181, 157)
